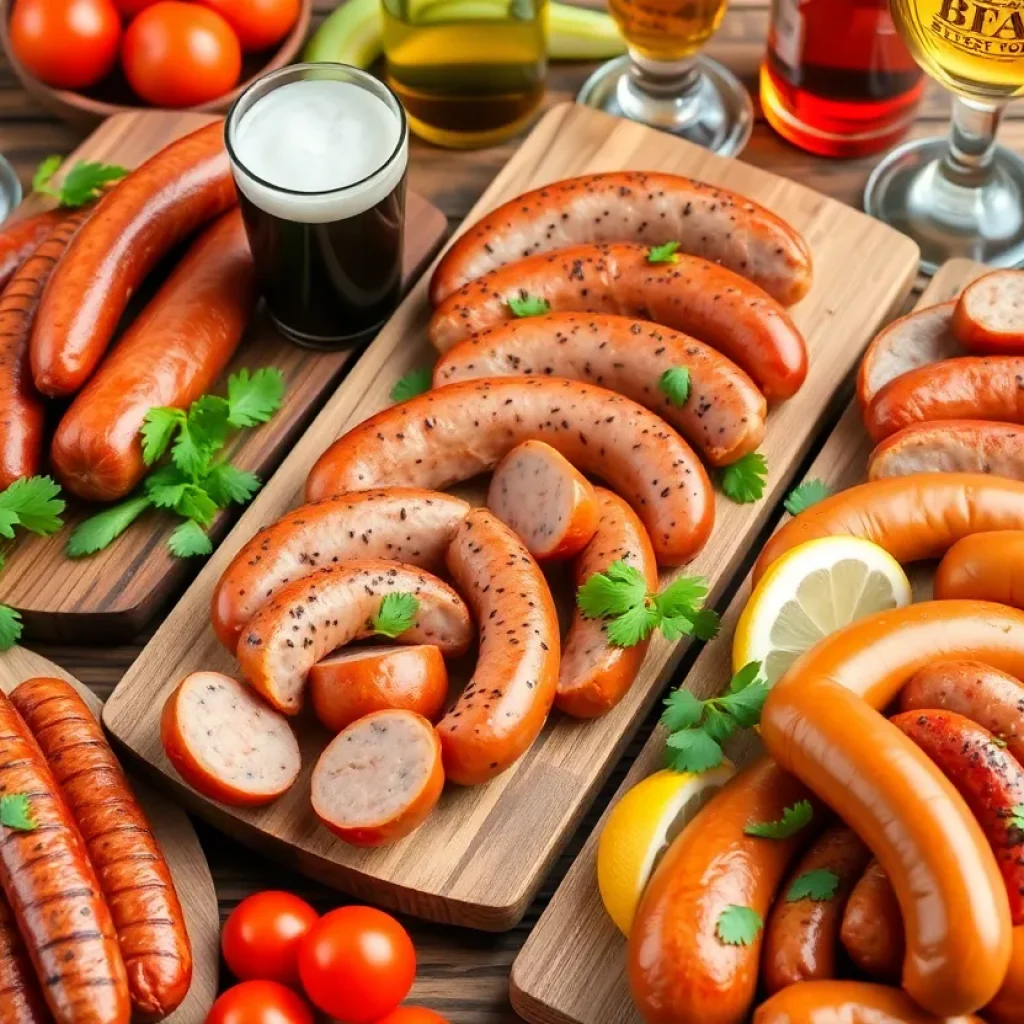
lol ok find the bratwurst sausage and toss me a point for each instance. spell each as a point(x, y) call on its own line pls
point(872, 930)
point(723, 414)
point(636, 206)
point(692, 295)
point(21, 999)
point(21, 238)
point(984, 567)
point(951, 446)
point(156, 206)
point(451, 434)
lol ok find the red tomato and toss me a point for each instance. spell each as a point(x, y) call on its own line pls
point(129, 8)
point(357, 964)
point(260, 1002)
point(178, 54)
point(69, 44)
point(261, 937)
point(258, 23)
point(413, 1015)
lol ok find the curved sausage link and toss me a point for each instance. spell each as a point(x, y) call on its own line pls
point(872, 930)
point(984, 567)
point(21, 999)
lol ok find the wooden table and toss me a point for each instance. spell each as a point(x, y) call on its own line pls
point(463, 975)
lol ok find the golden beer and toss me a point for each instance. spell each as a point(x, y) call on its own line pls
point(667, 30)
point(975, 49)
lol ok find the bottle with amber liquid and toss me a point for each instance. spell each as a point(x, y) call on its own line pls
point(838, 80)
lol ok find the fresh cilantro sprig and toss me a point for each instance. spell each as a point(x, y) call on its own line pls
point(793, 819)
point(743, 480)
point(528, 305)
point(698, 728)
point(414, 383)
point(1017, 817)
point(396, 614)
point(674, 384)
point(820, 884)
point(82, 184)
point(738, 926)
point(15, 813)
point(620, 596)
point(804, 495)
point(667, 253)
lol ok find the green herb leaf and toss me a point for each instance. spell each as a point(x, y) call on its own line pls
point(1017, 817)
point(158, 430)
point(675, 385)
point(667, 253)
point(414, 383)
point(792, 821)
point(633, 626)
point(253, 399)
point(165, 486)
point(15, 812)
point(194, 503)
point(738, 926)
point(817, 885)
point(706, 623)
point(8, 521)
point(201, 435)
point(33, 501)
point(718, 724)
point(85, 181)
point(189, 540)
point(682, 711)
point(528, 305)
point(227, 485)
point(99, 531)
point(999, 741)
point(674, 627)
point(804, 495)
point(10, 627)
point(612, 592)
point(743, 481)
point(692, 750)
point(745, 677)
point(397, 612)
point(745, 705)
point(44, 174)
point(682, 596)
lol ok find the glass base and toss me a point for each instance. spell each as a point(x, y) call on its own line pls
point(714, 111)
point(984, 223)
point(320, 344)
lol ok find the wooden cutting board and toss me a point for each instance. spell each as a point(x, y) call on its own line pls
point(177, 839)
point(112, 595)
point(480, 858)
point(572, 969)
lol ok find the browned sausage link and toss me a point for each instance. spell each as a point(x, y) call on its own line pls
point(872, 930)
point(129, 863)
point(21, 999)
point(19, 240)
point(54, 892)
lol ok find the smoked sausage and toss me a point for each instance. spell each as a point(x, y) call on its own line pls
point(21, 999)
point(154, 208)
point(595, 674)
point(732, 315)
point(506, 702)
point(636, 206)
point(128, 860)
point(22, 416)
point(170, 355)
point(723, 415)
point(451, 434)
point(1008, 1005)
point(951, 446)
point(307, 619)
point(21, 238)
point(872, 930)
point(801, 937)
point(820, 722)
point(52, 889)
point(912, 517)
point(984, 567)
point(679, 967)
point(989, 316)
point(405, 524)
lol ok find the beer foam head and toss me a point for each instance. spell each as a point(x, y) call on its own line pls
point(317, 150)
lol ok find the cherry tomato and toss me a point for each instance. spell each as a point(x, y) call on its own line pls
point(413, 1015)
point(178, 54)
point(69, 44)
point(261, 937)
point(257, 23)
point(357, 964)
point(260, 1002)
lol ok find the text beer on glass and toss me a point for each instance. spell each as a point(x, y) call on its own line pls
point(319, 153)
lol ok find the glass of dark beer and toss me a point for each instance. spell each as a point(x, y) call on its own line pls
point(319, 153)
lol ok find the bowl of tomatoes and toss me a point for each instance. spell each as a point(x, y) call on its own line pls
point(87, 59)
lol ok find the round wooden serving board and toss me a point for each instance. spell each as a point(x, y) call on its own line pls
point(177, 839)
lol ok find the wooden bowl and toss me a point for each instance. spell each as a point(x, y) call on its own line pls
point(113, 95)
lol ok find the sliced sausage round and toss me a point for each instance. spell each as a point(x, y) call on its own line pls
point(951, 446)
point(989, 317)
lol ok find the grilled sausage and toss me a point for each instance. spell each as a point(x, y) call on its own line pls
point(1008, 1005)
point(22, 416)
point(170, 355)
point(130, 866)
point(506, 702)
point(226, 743)
point(548, 503)
point(401, 523)
point(154, 208)
point(951, 446)
point(21, 998)
point(692, 295)
point(801, 937)
point(984, 567)
point(21, 238)
point(457, 431)
point(595, 674)
point(989, 316)
point(872, 930)
point(637, 206)
point(379, 779)
point(723, 415)
point(307, 619)
point(977, 691)
point(912, 517)
point(52, 889)
point(918, 339)
point(679, 967)
point(820, 722)
point(354, 683)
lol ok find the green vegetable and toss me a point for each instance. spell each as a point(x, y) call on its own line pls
point(817, 885)
point(101, 530)
point(253, 399)
point(743, 481)
point(793, 819)
point(803, 496)
point(10, 627)
point(738, 926)
point(157, 432)
point(1017, 817)
point(667, 253)
point(414, 383)
point(528, 305)
point(675, 385)
point(397, 612)
point(83, 183)
point(15, 812)
point(189, 540)
point(229, 485)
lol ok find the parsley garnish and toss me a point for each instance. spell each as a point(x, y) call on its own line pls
point(675, 385)
point(397, 612)
point(414, 383)
point(738, 926)
point(743, 480)
point(1017, 817)
point(817, 885)
point(803, 496)
point(792, 821)
point(667, 253)
point(15, 812)
point(83, 183)
point(528, 305)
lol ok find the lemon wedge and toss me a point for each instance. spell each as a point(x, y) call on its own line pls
point(811, 591)
point(639, 830)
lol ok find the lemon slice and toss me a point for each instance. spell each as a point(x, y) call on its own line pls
point(639, 829)
point(811, 591)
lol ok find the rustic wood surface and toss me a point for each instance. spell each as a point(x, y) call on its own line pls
point(462, 974)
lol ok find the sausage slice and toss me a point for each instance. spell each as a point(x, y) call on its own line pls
point(872, 930)
point(951, 446)
point(989, 317)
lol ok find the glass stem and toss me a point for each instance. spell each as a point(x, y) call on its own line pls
point(661, 79)
point(972, 142)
